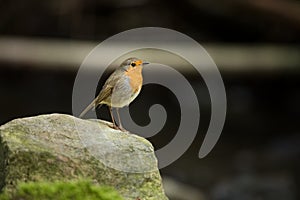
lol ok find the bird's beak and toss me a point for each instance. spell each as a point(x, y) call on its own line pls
point(145, 63)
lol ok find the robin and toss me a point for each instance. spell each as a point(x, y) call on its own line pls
point(120, 89)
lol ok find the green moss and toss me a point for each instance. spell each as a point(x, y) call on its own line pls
point(79, 190)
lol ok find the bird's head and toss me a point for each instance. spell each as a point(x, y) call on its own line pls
point(133, 64)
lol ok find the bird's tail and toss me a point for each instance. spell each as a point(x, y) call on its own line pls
point(89, 107)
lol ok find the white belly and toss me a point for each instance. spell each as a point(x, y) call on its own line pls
point(123, 95)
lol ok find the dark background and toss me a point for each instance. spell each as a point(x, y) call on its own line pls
point(257, 156)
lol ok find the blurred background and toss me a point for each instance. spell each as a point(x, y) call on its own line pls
point(255, 44)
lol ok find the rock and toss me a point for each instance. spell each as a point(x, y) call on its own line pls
point(62, 147)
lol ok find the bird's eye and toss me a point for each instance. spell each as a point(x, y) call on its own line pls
point(133, 64)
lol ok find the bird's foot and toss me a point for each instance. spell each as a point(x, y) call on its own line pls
point(114, 126)
point(122, 129)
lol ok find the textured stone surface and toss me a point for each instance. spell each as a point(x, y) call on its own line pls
point(62, 147)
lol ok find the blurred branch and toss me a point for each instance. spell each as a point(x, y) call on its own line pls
point(44, 53)
point(64, 54)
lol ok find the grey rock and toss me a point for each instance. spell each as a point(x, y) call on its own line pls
point(62, 147)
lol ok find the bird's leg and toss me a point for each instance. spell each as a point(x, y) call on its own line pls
point(112, 117)
point(119, 119)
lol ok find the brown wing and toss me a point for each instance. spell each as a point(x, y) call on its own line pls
point(104, 93)
point(109, 85)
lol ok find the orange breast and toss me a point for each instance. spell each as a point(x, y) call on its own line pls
point(136, 78)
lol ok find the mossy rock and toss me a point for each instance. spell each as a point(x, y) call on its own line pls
point(59, 147)
point(75, 190)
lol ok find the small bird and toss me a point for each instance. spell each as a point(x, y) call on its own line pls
point(120, 89)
